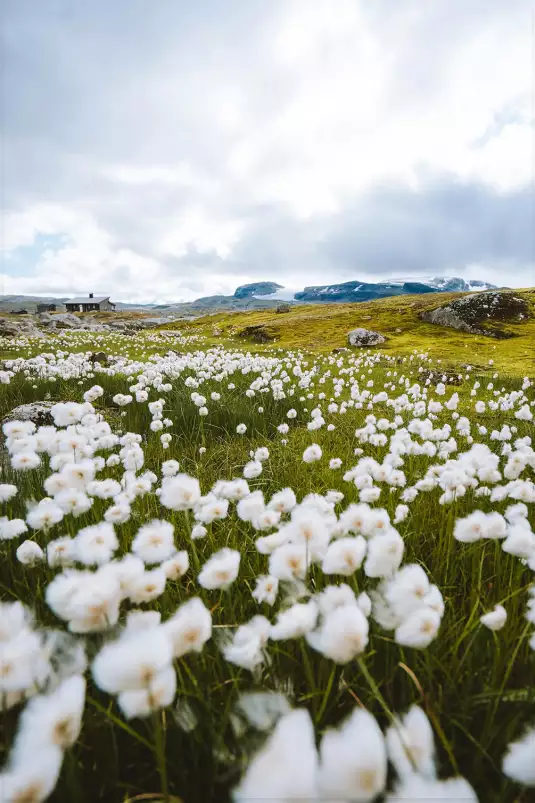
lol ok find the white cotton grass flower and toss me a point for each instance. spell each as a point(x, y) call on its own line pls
point(417, 788)
point(198, 531)
point(180, 492)
point(266, 589)
point(353, 760)
point(241, 429)
point(61, 552)
point(7, 492)
point(176, 566)
point(252, 469)
point(11, 528)
point(118, 514)
point(220, 570)
point(385, 553)
point(266, 520)
point(214, 510)
point(31, 777)
point(495, 619)
point(133, 660)
point(312, 453)
point(419, 629)
point(402, 511)
point(295, 621)
point(334, 596)
point(170, 468)
point(291, 750)
point(342, 635)
point(154, 541)
point(74, 501)
point(246, 648)
point(518, 762)
point(88, 601)
point(411, 745)
point(95, 545)
point(344, 556)
point(148, 586)
point(364, 602)
point(190, 627)
point(44, 515)
point(25, 461)
point(160, 691)
point(138, 619)
point(288, 561)
point(283, 501)
point(29, 553)
point(52, 719)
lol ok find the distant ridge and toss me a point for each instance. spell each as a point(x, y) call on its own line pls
point(267, 294)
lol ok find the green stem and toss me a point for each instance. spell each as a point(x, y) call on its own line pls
point(326, 694)
point(159, 747)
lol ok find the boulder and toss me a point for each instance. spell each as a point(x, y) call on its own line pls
point(98, 356)
point(481, 313)
point(38, 412)
point(257, 333)
point(364, 337)
point(19, 327)
point(65, 320)
point(283, 308)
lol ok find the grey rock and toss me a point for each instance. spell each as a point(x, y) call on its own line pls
point(19, 327)
point(38, 412)
point(65, 320)
point(364, 337)
point(481, 313)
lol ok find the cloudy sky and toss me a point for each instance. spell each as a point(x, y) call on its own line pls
point(167, 149)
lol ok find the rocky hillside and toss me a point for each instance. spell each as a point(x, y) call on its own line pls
point(362, 291)
point(402, 322)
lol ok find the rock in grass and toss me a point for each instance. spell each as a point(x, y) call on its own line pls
point(38, 412)
point(481, 314)
point(364, 337)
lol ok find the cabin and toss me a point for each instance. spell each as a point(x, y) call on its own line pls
point(46, 308)
point(90, 303)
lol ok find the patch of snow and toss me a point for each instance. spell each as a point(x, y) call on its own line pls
point(284, 294)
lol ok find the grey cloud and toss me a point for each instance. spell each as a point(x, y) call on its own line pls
point(91, 84)
point(444, 227)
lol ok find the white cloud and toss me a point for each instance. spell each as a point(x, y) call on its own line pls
point(230, 145)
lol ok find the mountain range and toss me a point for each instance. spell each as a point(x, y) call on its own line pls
point(261, 295)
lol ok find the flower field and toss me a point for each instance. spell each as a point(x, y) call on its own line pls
point(264, 576)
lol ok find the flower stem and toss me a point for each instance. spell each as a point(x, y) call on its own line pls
point(159, 747)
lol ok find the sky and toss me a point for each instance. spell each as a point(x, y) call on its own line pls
point(162, 150)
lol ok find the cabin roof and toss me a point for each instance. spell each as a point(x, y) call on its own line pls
point(87, 300)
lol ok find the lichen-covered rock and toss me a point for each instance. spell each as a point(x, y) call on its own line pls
point(481, 313)
point(65, 320)
point(283, 308)
point(38, 412)
point(19, 327)
point(364, 337)
point(258, 333)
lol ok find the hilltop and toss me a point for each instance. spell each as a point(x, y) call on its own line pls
point(324, 327)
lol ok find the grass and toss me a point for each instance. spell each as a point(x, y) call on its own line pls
point(475, 685)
